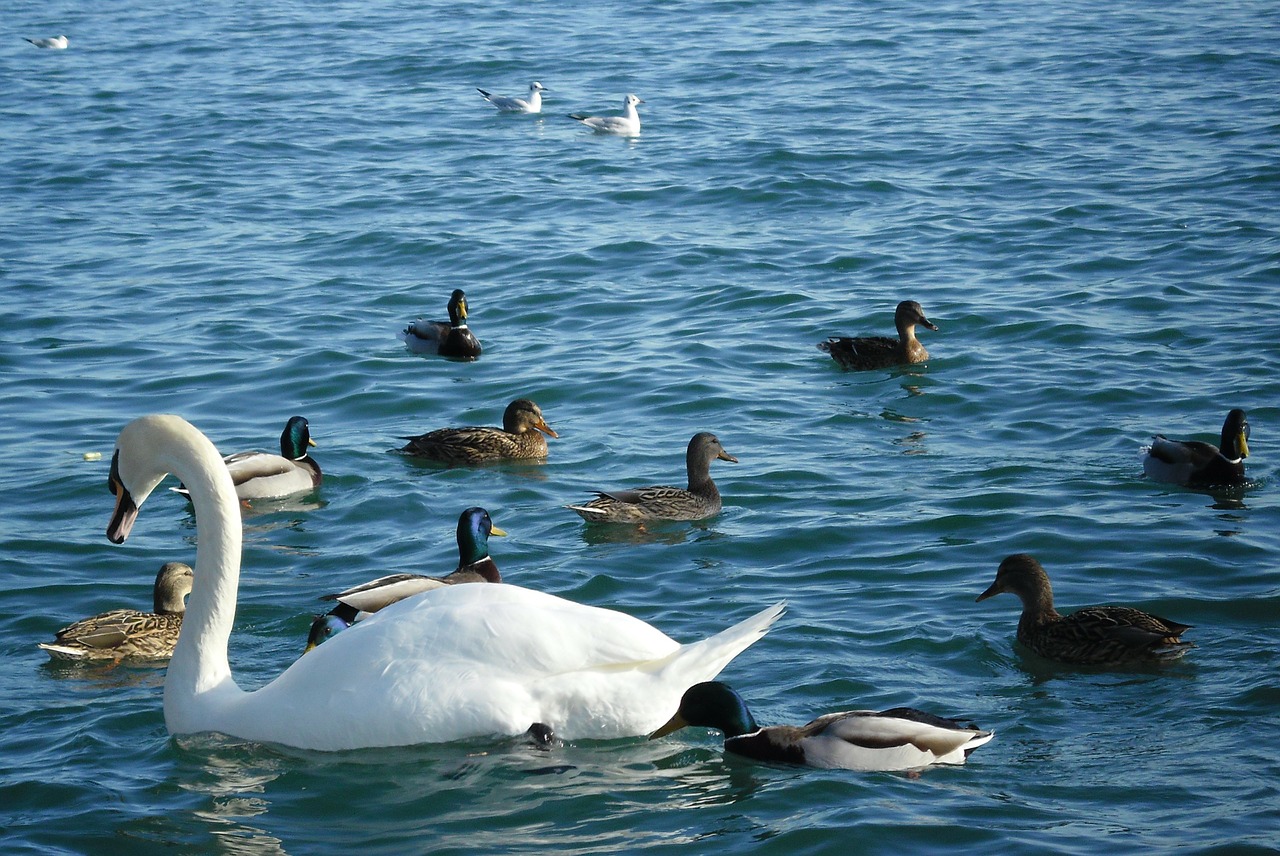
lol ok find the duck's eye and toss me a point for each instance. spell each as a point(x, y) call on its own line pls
point(1246, 430)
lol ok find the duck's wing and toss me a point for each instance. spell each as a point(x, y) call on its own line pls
point(384, 591)
point(897, 739)
point(1192, 453)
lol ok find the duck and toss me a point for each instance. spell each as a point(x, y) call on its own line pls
point(475, 565)
point(878, 352)
point(519, 439)
point(698, 502)
point(899, 739)
point(1197, 464)
point(452, 338)
point(509, 104)
point(509, 656)
point(628, 124)
point(1090, 636)
point(128, 634)
point(263, 475)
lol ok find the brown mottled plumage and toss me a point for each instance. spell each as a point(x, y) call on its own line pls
point(127, 634)
point(659, 502)
point(877, 352)
point(518, 439)
point(1091, 636)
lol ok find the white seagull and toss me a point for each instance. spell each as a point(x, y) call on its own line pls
point(508, 104)
point(628, 123)
point(57, 43)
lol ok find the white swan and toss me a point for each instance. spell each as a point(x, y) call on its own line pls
point(455, 662)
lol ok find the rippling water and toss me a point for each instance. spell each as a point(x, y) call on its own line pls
point(229, 214)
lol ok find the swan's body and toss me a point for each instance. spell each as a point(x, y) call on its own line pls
point(128, 634)
point(628, 124)
point(1199, 464)
point(899, 739)
point(452, 338)
point(455, 662)
point(878, 352)
point(508, 104)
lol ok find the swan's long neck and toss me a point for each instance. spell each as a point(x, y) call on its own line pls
point(199, 665)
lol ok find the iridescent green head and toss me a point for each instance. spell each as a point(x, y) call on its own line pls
point(296, 438)
point(711, 704)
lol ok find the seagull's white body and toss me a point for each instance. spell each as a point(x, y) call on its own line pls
point(510, 104)
point(57, 43)
point(628, 124)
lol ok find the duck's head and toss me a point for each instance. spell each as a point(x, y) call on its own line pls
point(705, 446)
point(458, 308)
point(295, 438)
point(173, 584)
point(143, 457)
point(521, 415)
point(711, 704)
point(1022, 575)
point(323, 627)
point(909, 314)
point(1235, 436)
point(474, 529)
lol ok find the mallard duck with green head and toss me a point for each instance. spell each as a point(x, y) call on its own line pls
point(878, 352)
point(519, 439)
point(899, 739)
point(1198, 464)
point(658, 502)
point(265, 475)
point(1091, 636)
point(128, 634)
point(475, 565)
point(452, 338)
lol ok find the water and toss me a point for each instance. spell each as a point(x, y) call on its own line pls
point(229, 215)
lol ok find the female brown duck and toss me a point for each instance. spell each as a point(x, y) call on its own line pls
point(659, 502)
point(519, 439)
point(1092, 636)
point(128, 634)
point(878, 352)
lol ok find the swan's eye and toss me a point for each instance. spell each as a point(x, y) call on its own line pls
point(113, 480)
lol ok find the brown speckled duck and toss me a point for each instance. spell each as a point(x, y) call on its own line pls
point(878, 352)
point(899, 739)
point(658, 502)
point(1198, 464)
point(1091, 636)
point(452, 338)
point(519, 439)
point(127, 634)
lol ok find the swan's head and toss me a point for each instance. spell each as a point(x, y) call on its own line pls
point(145, 453)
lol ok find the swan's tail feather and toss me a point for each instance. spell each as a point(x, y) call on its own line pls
point(702, 661)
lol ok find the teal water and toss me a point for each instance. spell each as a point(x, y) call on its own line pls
point(230, 213)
